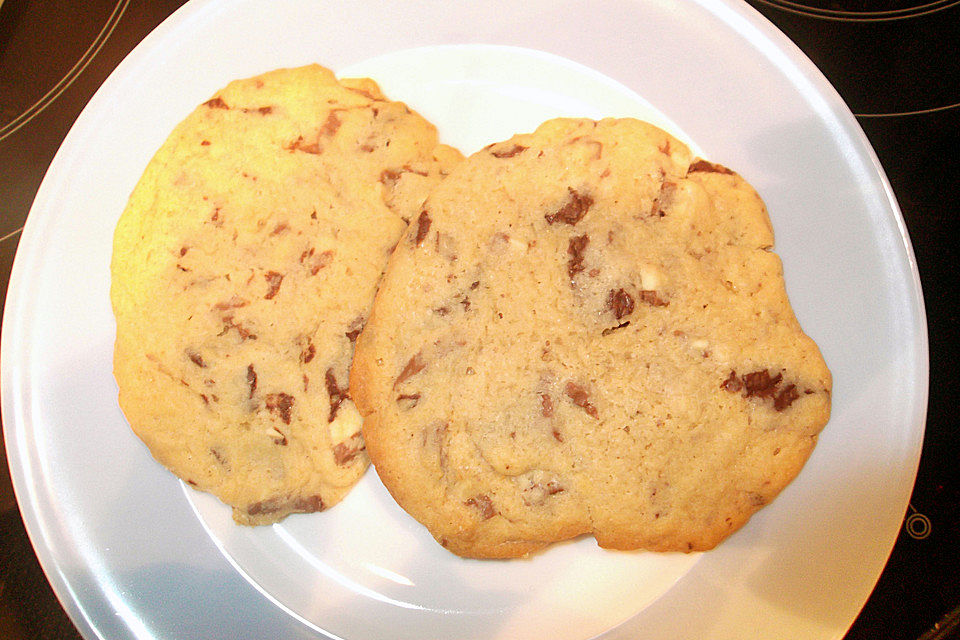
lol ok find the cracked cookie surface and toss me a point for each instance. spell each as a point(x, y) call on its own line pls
point(585, 331)
point(244, 267)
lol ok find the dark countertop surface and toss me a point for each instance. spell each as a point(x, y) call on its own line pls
point(893, 61)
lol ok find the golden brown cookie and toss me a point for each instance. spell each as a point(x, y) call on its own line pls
point(585, 331)
point(244, 266)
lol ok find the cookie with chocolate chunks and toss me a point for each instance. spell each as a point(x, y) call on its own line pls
point(586, 332)
point(245, 265)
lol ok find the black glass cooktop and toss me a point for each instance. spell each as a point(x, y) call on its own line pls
point(895, 63)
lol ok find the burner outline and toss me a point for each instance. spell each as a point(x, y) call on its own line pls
point(916, 112)
point(37, 107)
point(860, 16)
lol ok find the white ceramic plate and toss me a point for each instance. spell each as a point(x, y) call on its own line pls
point(134, 554)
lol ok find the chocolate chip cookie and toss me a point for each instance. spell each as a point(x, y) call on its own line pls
point(244, 267)
point(584, 330)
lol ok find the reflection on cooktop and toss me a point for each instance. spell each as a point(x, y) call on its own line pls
point(885, 57)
